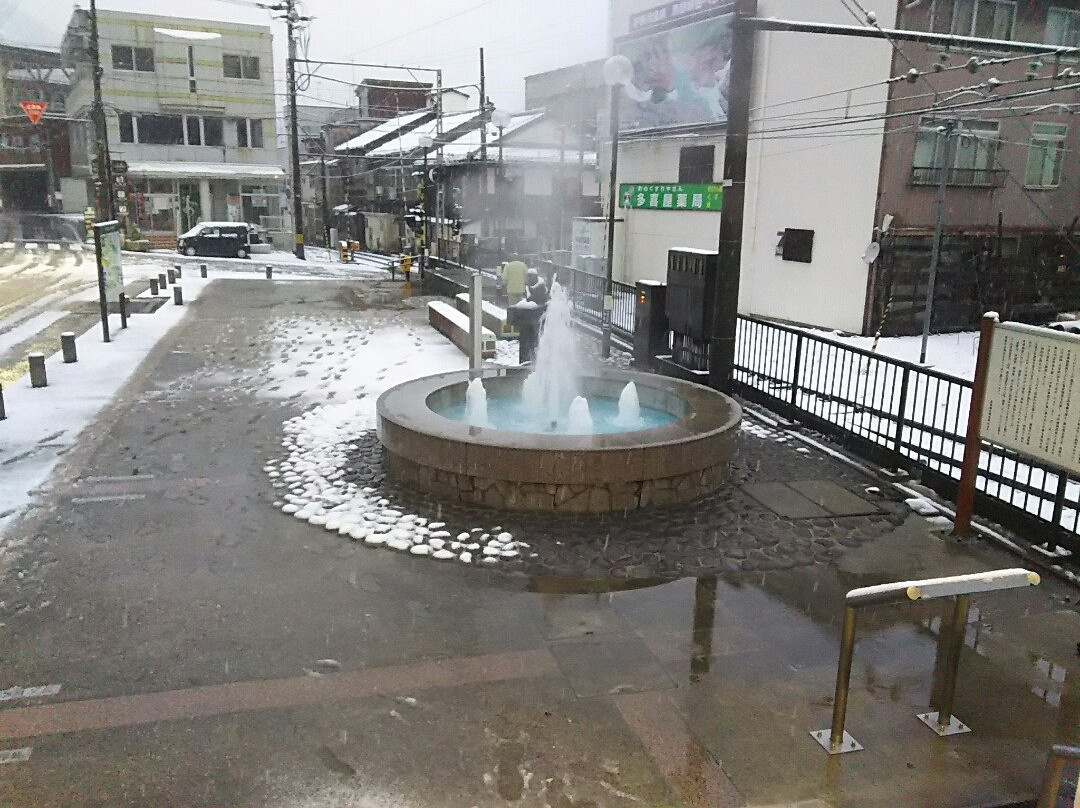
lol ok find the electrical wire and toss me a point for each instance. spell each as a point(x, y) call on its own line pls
point(428, 26)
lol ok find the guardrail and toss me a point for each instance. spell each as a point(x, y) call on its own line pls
point(835, 740)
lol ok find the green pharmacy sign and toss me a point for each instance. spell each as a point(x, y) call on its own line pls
point(672, 196)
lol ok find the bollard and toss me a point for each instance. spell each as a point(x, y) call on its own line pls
point(3, 410)
point(161, 282)
point(178, 296)
point(202, 270)
point(171, 275)
point(269, 272)
point(123, 310)
point(153, 287)
point(179, 270)
point(38, 377)
point(67, 347)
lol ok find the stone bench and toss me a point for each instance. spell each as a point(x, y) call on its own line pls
point(494, 317)
point(454, 325)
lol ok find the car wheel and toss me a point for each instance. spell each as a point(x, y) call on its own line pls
point(241, 253)
point(189, 251)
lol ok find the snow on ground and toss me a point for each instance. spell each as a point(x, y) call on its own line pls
point(346, 366)
point(954, 354)
point(44, 423)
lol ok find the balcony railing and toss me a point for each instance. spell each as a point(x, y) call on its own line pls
point(964, 177)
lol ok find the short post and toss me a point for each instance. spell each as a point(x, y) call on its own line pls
point(171, 275)
point(1055, 764)
point(269, 272)
point(393, 270)
point(969, 470)
point(202, 270)
point(123, 301)
point(839, 740)
point(476, 321)
point(3, 409)
point(153, 287)
point(178, 296)
point(38, 377)
point(161, 281)
point(67, 347)
point(179, 270)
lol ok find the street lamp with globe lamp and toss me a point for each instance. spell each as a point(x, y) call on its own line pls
point(426, 142)
point(502, 119)
point(618, 71)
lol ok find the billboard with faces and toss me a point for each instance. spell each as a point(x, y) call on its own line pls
point(682, 71)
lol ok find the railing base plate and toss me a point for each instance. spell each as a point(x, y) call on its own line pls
point(849, 744)
point(955, 727)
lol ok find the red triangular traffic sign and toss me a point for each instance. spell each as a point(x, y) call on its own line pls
point(33, 109)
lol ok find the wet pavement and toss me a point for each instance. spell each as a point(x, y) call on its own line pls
point(212, 651)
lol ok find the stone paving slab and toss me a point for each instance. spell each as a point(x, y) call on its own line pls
point(834, 498)
point(782, 500)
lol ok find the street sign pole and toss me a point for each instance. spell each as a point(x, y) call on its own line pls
point(102, 302)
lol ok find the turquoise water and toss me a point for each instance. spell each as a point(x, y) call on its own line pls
point(510, 415)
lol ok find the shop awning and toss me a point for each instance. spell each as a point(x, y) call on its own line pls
point(181, 171)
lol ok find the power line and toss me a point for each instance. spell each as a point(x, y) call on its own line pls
point(429, 26)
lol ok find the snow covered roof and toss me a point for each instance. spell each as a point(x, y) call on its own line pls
point(178, 33)
point(181, 170)
point(407, 142)
point(384, 129)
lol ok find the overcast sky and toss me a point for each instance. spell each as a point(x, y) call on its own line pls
point(520, 36)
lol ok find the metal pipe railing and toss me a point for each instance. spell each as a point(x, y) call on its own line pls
point(960, 587)
point(1055, 765)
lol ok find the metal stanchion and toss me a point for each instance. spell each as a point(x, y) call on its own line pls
point(171, 275)
point(161, 281)
point(67, 347)
point(123, 310)
point(836, 740)
point(178, 296)
point(179, 270)
point(202, 270)
point(153, 287)
point(269, 272)
point(1055, 764)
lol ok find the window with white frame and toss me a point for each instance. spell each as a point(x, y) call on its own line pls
point(240, 67)
point(974, 149)
point(1063, 27)
point(1045, 152)
point(986, 19)
point(249, 133)
point(128, 57)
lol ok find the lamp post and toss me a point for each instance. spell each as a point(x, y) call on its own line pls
point(426, 142)
point(618, 70)
point(501, 118)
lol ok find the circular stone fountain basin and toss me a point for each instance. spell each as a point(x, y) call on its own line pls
point(679, 461)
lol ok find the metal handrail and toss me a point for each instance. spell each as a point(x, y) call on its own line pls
point(1055, 764)
point(960, 587)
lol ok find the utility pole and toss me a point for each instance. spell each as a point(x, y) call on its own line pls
point(483, 118)
point(104, 196)
point(946, 133)
point(291, 18)
point(726, 300)
point(325, 202)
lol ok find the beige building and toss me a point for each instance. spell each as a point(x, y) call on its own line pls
point(190, 110)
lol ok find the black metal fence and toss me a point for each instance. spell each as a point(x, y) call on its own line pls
point(903, 416)
point(587, 297)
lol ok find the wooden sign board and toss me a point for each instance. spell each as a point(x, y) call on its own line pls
point(1033, 393)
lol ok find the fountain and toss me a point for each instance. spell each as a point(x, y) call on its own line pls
point(557, 437)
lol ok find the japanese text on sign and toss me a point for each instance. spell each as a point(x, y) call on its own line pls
point(1033, 393)
point(672, 196)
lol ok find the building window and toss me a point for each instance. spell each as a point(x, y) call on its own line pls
point(214, 131)
point(1063, 27)
point(987, 19)
point(191, 69)
point(796, 245)
point(974, 154)
point(127, 127)
point(1044, 155)
point(161, 130)
point(249, 133)
point(242, 133)
point(126, 57)
point(696, 163)
point(194, 135)
point(240, 67)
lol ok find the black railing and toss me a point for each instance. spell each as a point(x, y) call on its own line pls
point(587, 297)
point(969, 177)
point(901, 415)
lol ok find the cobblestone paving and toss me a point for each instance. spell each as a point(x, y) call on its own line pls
point(727, 532)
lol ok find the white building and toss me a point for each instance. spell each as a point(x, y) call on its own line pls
point(823, 186)
point(190, 110)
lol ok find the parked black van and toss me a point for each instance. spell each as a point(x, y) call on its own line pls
point(220, 239)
